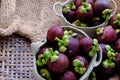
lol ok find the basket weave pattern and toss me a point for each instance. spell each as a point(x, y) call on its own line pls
point(16, 58)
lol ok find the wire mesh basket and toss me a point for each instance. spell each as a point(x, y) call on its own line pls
point(16, 58)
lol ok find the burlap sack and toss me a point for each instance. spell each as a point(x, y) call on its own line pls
point(30, 18)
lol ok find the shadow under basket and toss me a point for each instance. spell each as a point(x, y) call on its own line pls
point(16, 58)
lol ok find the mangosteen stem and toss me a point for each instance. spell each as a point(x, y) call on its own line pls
point(73, 5)
point(108, 63)
point(117, 21)
point(94, 49)
point(118, 16)
point(62, 49)
point(117, 31)
point(79, 23)
point(106, 14)
point(105, 64)
point(77, 62)
point(99, 31)
point(59, 40)
point(86, 7)
point(66, 10)
point(112, 65)
point(45, 73)
point(54, 58)
point(39, 63)
point(82, 70)
point(79, 66)
point(110, 51)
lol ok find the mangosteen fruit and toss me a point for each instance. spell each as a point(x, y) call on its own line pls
point(58, 64)
point(115, 21)
point(80, 65)
point(100, 5)
point(85, 12)
point(89, 46)
point(106, 35)
point(53, 32)
point(68, 75)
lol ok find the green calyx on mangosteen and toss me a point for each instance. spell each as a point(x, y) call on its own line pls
point(106, 14)
point(48, 54)
point(117, 21)
point(94, 48)
point(60, 65)
point(45, 74)
point(80, 64)
point(66, 9)
point(79, 23)
point(99, 31)
point(64, 42)
point(85, 7)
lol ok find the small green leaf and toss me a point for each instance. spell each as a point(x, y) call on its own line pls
point(60, 44)
point(82, 70)
point(91, 53)
point(112, 65)
point(76, 69)
point(62, 49)
point(66, 42)
point(54, 58)
point(66, 10)
point(65, 37)
point(95, 41)
point(38, 62)
point(99, 31)
point(83, 10)
point(56, 52)
point(105, 64)
point(45, 73)
point(40, 56)
point(74, 34)
point(118, 16)
point(76, 62)
point(44, 61)
point(47, 53)
point(108, 47)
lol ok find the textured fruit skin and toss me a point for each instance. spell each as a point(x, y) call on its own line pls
point(108, 36)
point(85, 44)
point(54, 31)
point(117, 61)
point(100, 5)
point(117, 45)
point(104, 51)
point(71, 16)
point(60, 65)
point(84, 17)
point(113, 18)
point(79, 3)
point(73, 47)
point(68, 75)
point(83, 59)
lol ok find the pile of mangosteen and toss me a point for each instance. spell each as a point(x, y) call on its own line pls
point(87, 13)
point(65, 56)
point(109, 39)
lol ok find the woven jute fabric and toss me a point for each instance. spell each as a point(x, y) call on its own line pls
point(30, 18)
